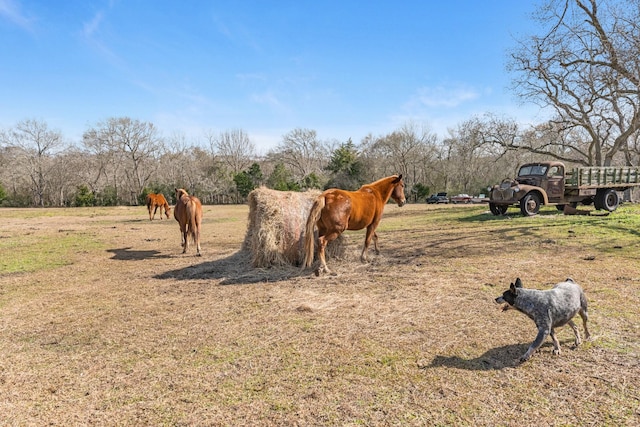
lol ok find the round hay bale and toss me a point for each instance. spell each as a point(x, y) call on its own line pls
point(275, 232)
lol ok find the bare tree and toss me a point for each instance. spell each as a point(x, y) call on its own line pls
point(586, 68)
point(474, 156)
point(129, 146)
point(302, 152)
point(234, 149)
point(408, 151)
point(35, 146)
point(67, 176)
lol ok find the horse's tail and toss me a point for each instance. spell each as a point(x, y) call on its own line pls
point(309, 237)
point(191, 211)
point(150, 204)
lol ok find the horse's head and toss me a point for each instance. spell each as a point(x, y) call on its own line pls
point(397, 194)
point(180, 192)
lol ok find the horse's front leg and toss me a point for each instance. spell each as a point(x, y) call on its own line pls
point(371, 234)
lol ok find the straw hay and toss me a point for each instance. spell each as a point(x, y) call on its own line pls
point(275, 233)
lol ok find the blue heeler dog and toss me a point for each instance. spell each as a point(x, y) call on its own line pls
point(549, 309)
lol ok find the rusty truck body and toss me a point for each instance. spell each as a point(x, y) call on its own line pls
point(550, 183)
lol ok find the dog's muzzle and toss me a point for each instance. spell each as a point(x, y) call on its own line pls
point(500, 300)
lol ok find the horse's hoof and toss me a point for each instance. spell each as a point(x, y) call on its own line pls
point(316, 272)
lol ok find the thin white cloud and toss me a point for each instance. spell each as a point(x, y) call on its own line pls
point(11, 10)
point(236, 33)
point(251, 77)
point(441, 96)
point(91, 27)
point(94, 35)
point(267, 98)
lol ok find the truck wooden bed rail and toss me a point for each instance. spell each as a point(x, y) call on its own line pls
point(602, 177)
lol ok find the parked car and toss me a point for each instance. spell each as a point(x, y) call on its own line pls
point(438, 198)
point(480, 199)
point(461, 198)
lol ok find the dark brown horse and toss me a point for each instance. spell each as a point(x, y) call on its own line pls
point(335, 211)
point(155, 201)
point(188, 213)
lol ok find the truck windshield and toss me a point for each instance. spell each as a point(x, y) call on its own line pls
point(532, 170)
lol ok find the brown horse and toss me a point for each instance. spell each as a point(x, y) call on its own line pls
point(335, 211)
point(188, 213)
point(155, 201)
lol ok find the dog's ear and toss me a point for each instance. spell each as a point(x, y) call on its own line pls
point(518, 283)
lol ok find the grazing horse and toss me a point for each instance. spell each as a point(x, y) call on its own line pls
point(155, 201)
point(335, 211)
point(188, 213)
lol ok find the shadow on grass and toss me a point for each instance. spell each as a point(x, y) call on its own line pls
point(497, 358)
point(233, 270)
point(127, 254)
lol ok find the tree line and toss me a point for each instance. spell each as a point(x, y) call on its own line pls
point(583, 68)
point(121, 159)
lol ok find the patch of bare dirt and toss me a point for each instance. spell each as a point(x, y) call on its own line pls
point(136, 333)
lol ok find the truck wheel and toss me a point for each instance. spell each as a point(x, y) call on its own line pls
point(530, 204)
point(607, 199)
point(498, 209)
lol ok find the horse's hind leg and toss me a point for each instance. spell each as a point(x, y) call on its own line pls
point(323, 241)
point(375, 243)
point(196, 236)
point(184, 235)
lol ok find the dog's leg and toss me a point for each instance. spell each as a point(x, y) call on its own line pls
point(556, 343)
point(576, 332)
point(585, 316)
point(543, 332)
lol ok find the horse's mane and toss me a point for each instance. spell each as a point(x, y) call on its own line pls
point(380, 181)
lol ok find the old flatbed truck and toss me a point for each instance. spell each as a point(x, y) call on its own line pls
point(549, 183)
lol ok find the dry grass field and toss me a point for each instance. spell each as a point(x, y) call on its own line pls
point(103, 321)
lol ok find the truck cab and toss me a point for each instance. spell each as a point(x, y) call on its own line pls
point(547, 176)
point(536, 184)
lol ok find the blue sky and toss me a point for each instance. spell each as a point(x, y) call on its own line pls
point(343, 68)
